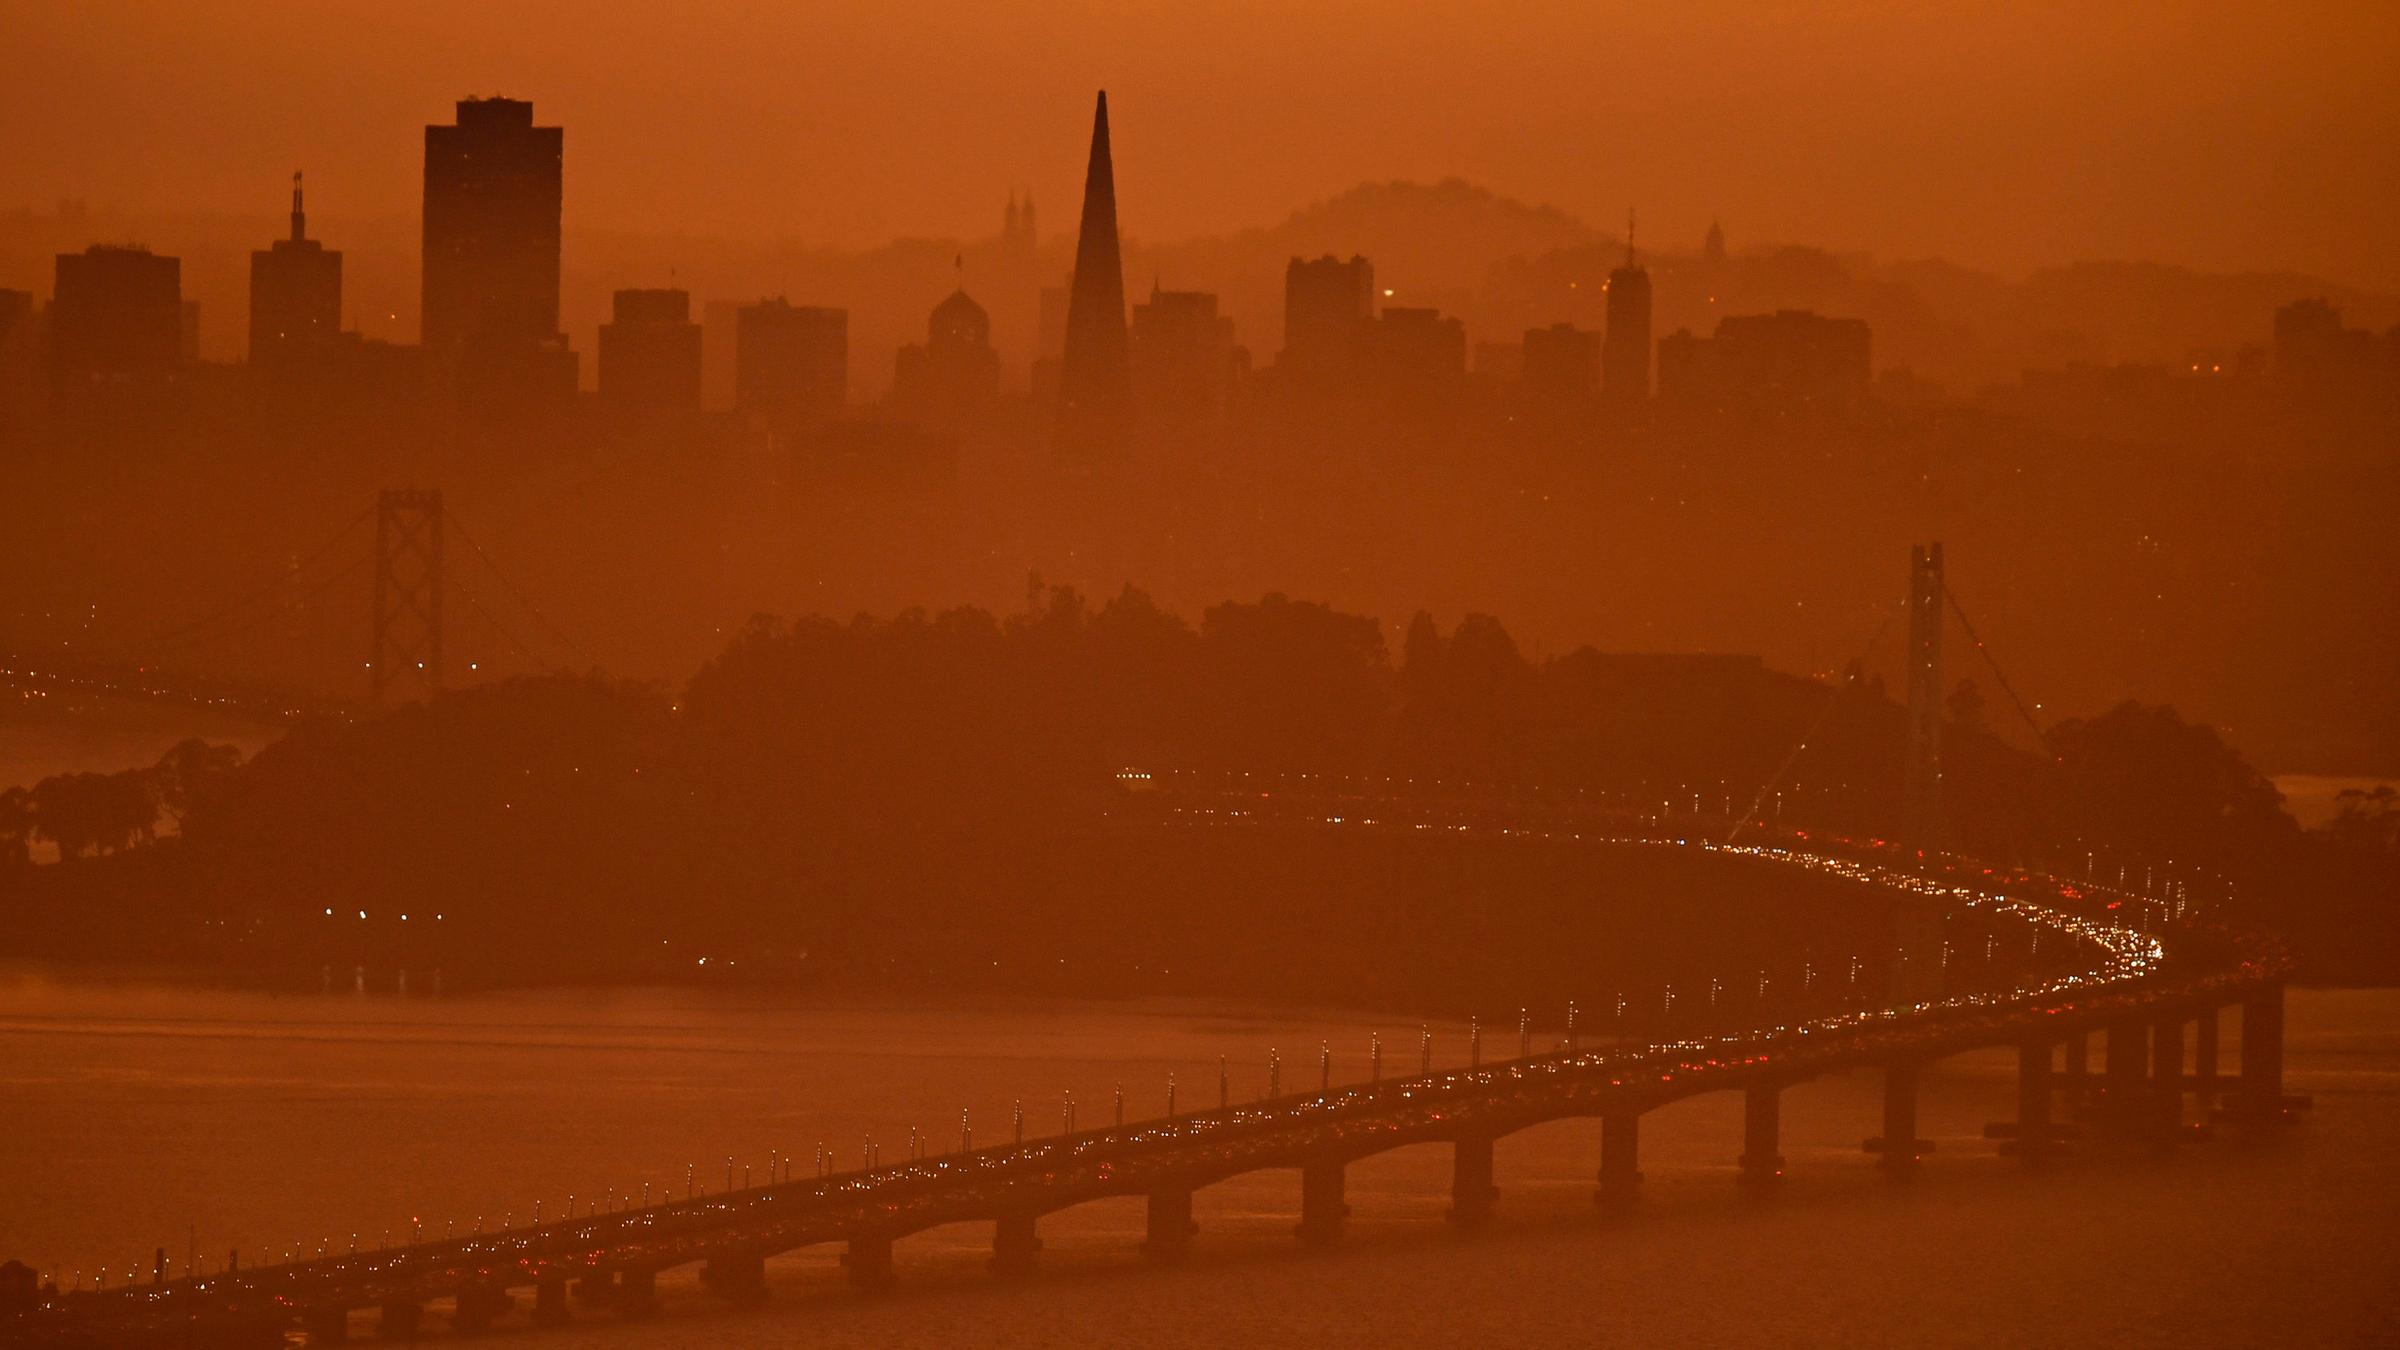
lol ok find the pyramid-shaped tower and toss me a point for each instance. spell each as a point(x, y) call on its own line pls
point(1095, 380)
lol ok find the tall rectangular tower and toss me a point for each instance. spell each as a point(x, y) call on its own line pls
point(650, 351)
point(295, 292)
point(116, 318)
point(492, 205)
point(1625, 349)
point(1327, 304)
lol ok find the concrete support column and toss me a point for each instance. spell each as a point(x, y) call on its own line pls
point(1169, 1233)
point(326, 1326)
point(2126, 1100)
point(478, 1306)
point(398, 1319)
point(1899, 1144)
point(1015, 1244)
point(2166, 1074)
point(1471, 1188)
point(2034, 1129)
point(2262, 1053)
point(736, 1276)
point(2079, 1072)
point(637, 1291)
point(596, 1289)
point(550, 1301)
point(2204, 1058)
point(1322, 1208)
point(869, 1260)
point(1762, 1124)
point(1620, 1159)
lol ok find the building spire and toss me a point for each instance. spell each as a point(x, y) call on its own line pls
point(299, 213)
point(1629, 236)
point(1094, 378)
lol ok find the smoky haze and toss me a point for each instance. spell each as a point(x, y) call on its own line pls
point(1092, 609)
point(2010, 137)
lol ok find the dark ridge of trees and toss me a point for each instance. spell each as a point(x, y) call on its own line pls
point(94, 814)
point(929, 793)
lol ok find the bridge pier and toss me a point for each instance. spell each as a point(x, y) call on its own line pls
point(1762, 1123)
point(2124, 1102)
point(326, 1326)
point(398, 1319)
point(1471, 1188)
point(869, 1260)
point(2204, 1059)
point(2079, 1072)
point(550, 1302)
point(2166, 1076)
point(1322, 1208)
point(1169, 1233)
point(1015, 1244)
point(1899, 1146)
point(2037, 1135)
point(478, 1306)
point(596, 1289)
point(636, 1291)
point(1620, 1160)
point(738, 1276)
point(2260, 1098)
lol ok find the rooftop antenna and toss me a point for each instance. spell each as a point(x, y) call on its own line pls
point(1629, 236)
point(299, 214)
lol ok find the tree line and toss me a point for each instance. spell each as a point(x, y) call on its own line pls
point(880, 787)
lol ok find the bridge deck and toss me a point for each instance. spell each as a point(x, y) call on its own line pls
point(2129, 976)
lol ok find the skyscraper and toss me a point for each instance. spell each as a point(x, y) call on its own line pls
point(1413, 351)
point(116, 318)
point(1095, 378)
point(1561, 361)
point(1185, 363)
point(295, 293)
point(1328, 305)
point(1625, 351)
point(1785, 361)
point(791, 363)
point(492, 206)
point(650, 351)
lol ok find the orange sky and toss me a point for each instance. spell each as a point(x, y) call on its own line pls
point(2010, 135)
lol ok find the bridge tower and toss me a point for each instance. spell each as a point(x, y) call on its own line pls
point(1921, 799)
point(1917, 925)
point(407, 648)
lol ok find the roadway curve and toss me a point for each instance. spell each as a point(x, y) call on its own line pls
point(2126, 973)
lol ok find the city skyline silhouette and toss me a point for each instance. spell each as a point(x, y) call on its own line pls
point(736, 675)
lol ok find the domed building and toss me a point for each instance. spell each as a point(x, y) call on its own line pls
point(955, 372)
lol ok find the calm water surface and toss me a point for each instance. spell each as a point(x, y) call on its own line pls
point(139, 1114)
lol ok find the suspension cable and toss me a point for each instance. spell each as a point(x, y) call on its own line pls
point(573, 647)
point(142, 649)
point(2040, 737)
point(1824, 715)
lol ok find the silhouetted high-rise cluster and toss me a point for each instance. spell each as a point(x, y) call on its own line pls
point(1104, 379)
